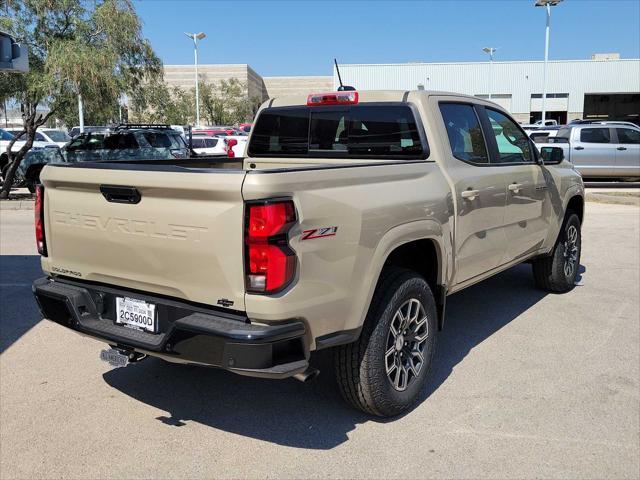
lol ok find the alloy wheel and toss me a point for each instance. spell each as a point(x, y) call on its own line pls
point(406, 343)
point(571, 251)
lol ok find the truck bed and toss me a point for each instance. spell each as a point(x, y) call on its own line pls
point(182, 238)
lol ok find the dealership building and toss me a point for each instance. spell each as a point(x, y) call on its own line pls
point(257, 86)
point(605, 87)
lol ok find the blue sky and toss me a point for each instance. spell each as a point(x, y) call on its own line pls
point(299, 37)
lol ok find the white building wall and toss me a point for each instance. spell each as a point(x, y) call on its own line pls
point(520, 79)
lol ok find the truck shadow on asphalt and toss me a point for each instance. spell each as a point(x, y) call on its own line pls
point(18, 310)
point(313, 415)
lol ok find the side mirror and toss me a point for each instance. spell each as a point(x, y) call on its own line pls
point(552, 155)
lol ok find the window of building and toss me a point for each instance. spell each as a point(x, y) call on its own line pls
point(550, 95)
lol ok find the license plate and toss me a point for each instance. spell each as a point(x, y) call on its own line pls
point(134, 313)
point(114, 358)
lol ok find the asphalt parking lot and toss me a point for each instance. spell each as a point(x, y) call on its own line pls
point(525, 385)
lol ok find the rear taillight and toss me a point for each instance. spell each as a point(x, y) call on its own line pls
point(232, 142)
point(269, 261)
point(38, 210)
point(333, 98)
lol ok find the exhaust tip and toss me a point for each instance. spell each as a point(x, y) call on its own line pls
point(308, 375)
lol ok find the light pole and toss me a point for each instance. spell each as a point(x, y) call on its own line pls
point(195, 37)
point(547, 4)
point(80, 113)
point(490, 51)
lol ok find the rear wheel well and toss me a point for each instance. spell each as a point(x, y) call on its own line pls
point(421, 256)
point(576, 205)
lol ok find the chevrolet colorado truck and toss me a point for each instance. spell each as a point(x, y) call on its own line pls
point(350, 220)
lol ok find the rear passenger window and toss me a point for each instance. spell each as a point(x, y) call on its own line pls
point(465, 135)
point(595, 135)
point(628, 136)
point(120, 141)
point(157, 140)
point(513, 144)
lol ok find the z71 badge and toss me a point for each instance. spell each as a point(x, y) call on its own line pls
point(319, 233)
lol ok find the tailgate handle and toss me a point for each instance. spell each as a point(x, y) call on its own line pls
point(118, 194)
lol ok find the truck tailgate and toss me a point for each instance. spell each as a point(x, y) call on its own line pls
point(184, 238)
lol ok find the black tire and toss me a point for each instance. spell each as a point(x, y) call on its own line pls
point(362, 367)
point(557, 272)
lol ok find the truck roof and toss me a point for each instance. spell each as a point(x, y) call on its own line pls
point(368, 96)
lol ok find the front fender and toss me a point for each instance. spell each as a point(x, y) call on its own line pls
point(572, 191)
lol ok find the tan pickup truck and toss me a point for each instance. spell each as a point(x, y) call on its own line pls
point(351, 219)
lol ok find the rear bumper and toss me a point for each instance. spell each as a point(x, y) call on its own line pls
point(187, 334)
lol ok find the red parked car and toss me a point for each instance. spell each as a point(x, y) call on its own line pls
point(215, 132)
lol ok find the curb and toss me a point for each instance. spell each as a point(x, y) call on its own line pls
point(16, 205)
point(613, 199)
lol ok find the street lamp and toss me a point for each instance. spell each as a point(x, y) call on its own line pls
point(195, 37)
point(490, 51)
point(547, 4)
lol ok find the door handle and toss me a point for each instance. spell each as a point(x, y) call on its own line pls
point(515, 187)
point(120, 194)
point(621, 148)
point(579, 148)
point(470, 194)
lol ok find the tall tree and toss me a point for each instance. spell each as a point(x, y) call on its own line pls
point(221, 103)
point(226, 102)
point(158, 103)
point(91, 48)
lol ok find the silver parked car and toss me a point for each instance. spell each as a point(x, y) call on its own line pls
point(601, 149)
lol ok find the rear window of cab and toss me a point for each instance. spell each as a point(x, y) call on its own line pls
point(355, 131)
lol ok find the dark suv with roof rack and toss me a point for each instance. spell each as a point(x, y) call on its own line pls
point(127, 141)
